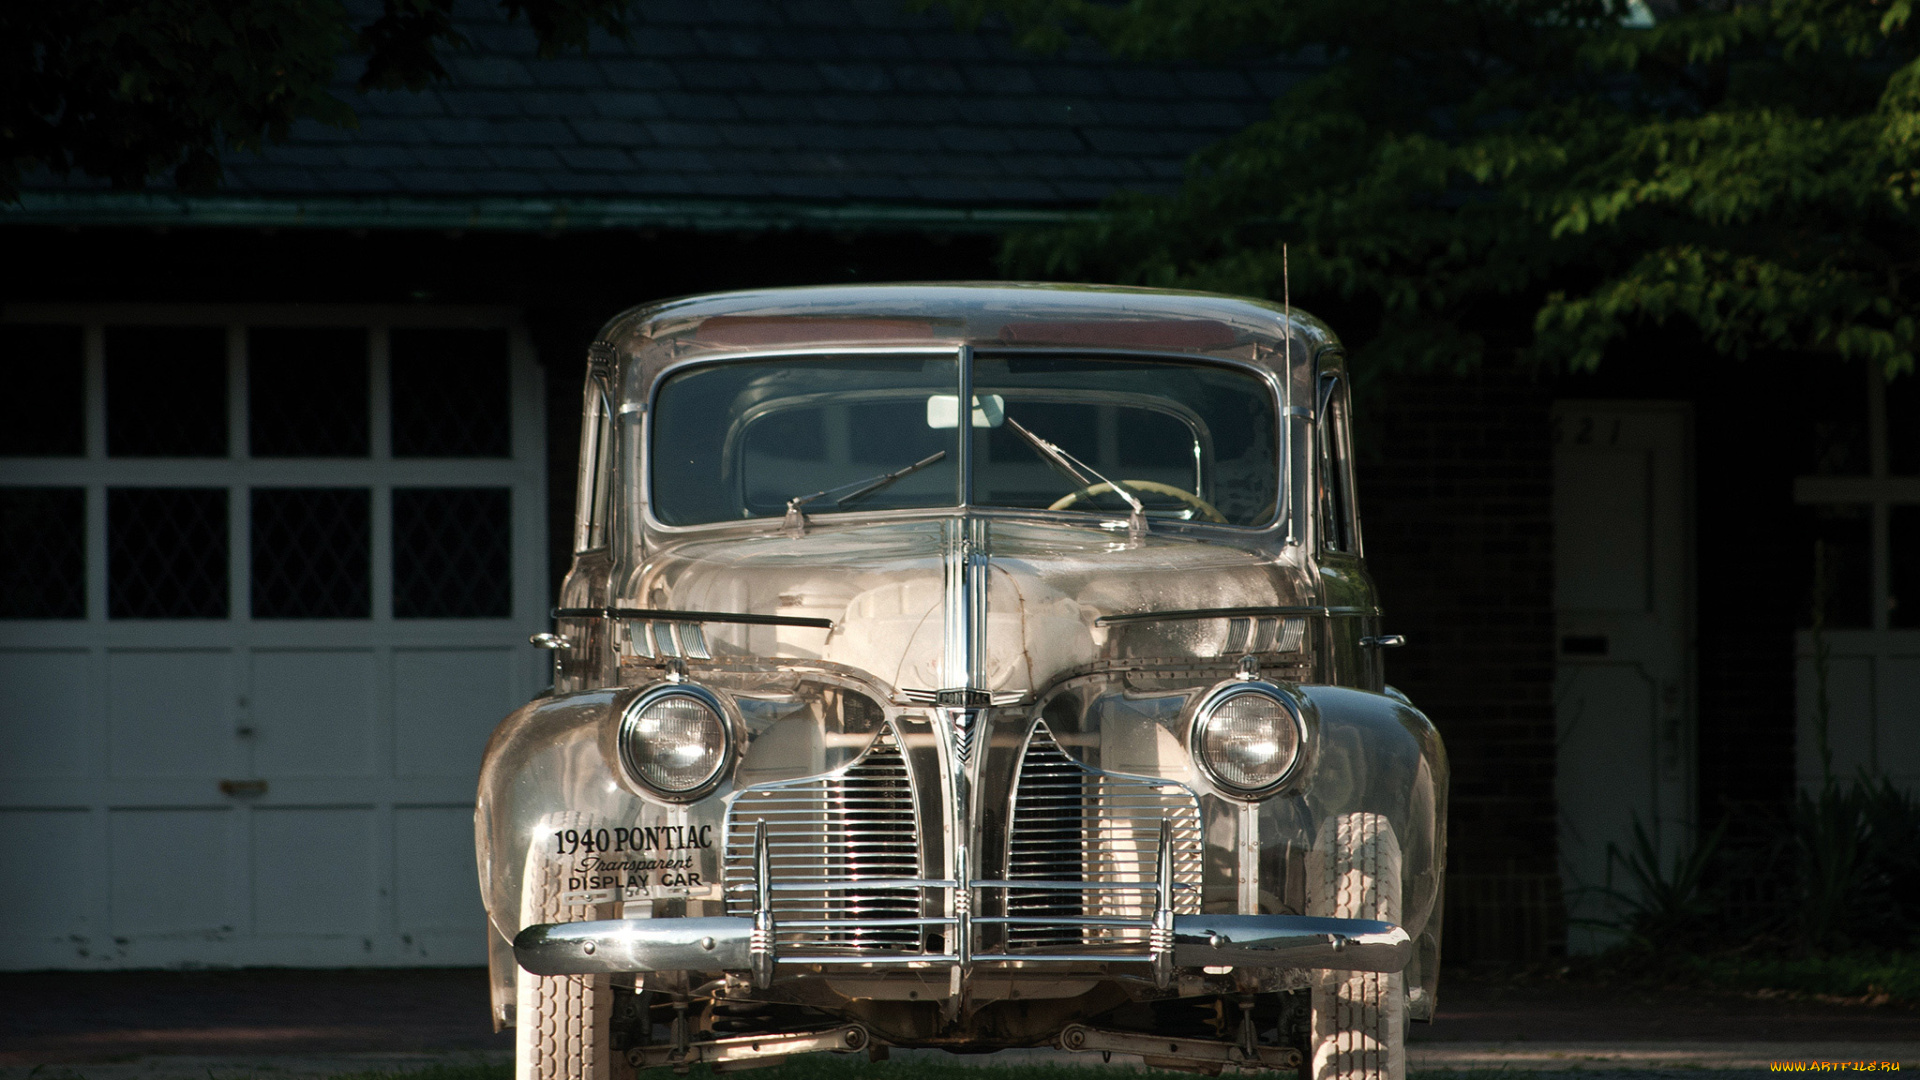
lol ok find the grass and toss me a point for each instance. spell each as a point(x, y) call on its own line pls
point(1758, 969)
point(857, 1067)
point(1879, 979)
point(471, 1071)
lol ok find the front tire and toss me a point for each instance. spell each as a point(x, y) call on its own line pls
point(561, 1022)
point(1359, 1023)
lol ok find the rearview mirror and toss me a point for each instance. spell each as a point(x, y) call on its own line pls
point(943, 410)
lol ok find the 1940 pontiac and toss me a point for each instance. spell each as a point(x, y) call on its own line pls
point(965, 666)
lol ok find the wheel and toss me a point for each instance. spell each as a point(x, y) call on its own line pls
point(1151, 487)
point(1358, 1028)
point(561, 1022)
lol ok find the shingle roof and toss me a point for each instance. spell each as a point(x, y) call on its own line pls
point(807, 103)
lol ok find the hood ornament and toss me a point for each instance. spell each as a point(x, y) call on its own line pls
point(961, 708)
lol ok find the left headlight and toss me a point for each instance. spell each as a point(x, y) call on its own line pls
point(675, 740)
point(1248, 737)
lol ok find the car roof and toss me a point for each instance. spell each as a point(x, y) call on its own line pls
point(985, 315)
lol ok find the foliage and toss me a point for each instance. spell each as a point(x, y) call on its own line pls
point(136, 90)
point(1857, 866)
point(1844, 888)
point(1534, 178)
point(1662, 906)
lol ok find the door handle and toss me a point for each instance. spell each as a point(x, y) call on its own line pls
point(1384, 641)
point(243, 789)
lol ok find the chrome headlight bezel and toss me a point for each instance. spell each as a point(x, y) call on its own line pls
point(625, 735)
point(1209, 709)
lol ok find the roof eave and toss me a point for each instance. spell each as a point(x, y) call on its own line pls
point(509, 213)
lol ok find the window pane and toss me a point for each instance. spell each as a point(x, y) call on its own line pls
point(307, 392)
point(312, 553)
point(452, 553)
point(167, 553)
point(737, 440)
point(1835, 442)
point(1201, 436)
point(49, 422)
point(166, 391)
point(43, 573)
point(1903, 529)
point(1836, 566)
point(1903, 425)
point(450, 393)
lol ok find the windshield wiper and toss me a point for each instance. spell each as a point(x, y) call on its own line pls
point(796, 521)
point(1083, 474)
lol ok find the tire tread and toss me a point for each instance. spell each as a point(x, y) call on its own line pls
point(562, 1020)
point(1358, 1025)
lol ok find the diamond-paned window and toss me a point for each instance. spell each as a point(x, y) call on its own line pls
point(43, 573)
point(167, 553)
point(1836, 576)
point(450, 393)
point(452, 553)
point(307, 392)
point(48, 421)
point(166, 391)
point(312, 553)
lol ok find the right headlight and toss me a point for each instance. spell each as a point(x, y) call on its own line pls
point(674, 740)
point(1248, 737)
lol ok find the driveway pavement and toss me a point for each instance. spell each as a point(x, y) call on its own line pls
point(290, 1024)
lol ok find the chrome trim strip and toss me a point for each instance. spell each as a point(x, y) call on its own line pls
point(670, 615)
point(870, 960)
point(963, 433)
point(1066, 920)
point(817, 923)
point(1063, 958)
point(863, 883)
point(1076, 886)
point(1229, 613)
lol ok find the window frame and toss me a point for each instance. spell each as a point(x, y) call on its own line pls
point(1336, 516)
point(379, 472)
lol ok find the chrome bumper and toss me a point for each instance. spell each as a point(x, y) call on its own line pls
point(727, 944)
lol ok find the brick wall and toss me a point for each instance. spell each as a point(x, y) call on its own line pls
point(1456, 500)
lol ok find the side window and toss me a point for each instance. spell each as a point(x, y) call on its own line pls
point(596, 450)
point(1339, 523)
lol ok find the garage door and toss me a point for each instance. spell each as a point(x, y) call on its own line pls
point(266, 586)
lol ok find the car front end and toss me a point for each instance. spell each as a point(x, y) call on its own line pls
point(884, 721)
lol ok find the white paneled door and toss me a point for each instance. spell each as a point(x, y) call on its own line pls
point(268, 577)
point(1623, 687)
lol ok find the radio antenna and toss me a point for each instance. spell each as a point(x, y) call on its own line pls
point(1286, 301)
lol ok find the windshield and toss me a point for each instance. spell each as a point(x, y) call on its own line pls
point(756, 438)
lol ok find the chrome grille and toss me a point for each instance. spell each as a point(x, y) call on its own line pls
point(1088, 841)
point(844, 854)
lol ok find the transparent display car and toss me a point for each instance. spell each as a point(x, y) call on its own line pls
point(965, 667)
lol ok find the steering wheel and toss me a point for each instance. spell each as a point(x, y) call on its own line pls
point(1154, 487)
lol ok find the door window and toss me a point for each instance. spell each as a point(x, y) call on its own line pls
point(1339, 523)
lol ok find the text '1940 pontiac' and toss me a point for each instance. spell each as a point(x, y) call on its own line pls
point(965, 666)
